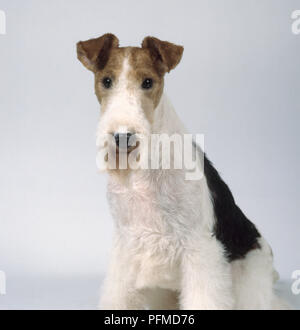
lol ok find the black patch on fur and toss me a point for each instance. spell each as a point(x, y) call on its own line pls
point(232, 228)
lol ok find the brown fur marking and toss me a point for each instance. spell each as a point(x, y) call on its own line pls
point(94, 53)
point(163, 51)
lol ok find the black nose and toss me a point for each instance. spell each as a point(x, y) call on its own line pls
point(122, 139)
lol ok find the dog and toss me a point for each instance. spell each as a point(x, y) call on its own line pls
point(178, 244)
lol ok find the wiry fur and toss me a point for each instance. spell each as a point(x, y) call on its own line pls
point(166, 253)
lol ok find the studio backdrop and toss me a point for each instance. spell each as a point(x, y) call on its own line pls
point(238, 84)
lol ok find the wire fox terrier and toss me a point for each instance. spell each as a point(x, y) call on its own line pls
point(178, 243)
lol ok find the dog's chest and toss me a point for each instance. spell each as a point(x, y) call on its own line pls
point(154, 259)
point(135, 205)
point(149, 240)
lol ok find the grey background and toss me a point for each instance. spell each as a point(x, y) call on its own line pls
point(238, 83)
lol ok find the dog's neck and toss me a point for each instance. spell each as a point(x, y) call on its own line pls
point(166, 119)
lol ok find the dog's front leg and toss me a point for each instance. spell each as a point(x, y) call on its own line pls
point(206, 277)
point(118, 291)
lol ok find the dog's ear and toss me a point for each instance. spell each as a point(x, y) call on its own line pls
point(94, 53)
point(163, 51)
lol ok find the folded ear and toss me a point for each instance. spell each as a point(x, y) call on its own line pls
point(94, 53)
point(166, 52)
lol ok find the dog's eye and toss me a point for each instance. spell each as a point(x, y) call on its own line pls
point(147, 83)
point(107, 82)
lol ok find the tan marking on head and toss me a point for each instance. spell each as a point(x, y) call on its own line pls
point(142, 67)
point(105, 58)
point(112, 70)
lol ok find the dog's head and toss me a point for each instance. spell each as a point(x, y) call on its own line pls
point(128, 80)
point(129, 83)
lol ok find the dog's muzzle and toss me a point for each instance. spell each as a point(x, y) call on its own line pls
point(125, 141)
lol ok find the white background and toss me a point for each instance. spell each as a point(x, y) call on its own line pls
point(238, 83)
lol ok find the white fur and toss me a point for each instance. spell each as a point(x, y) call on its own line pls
point(164, 255)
